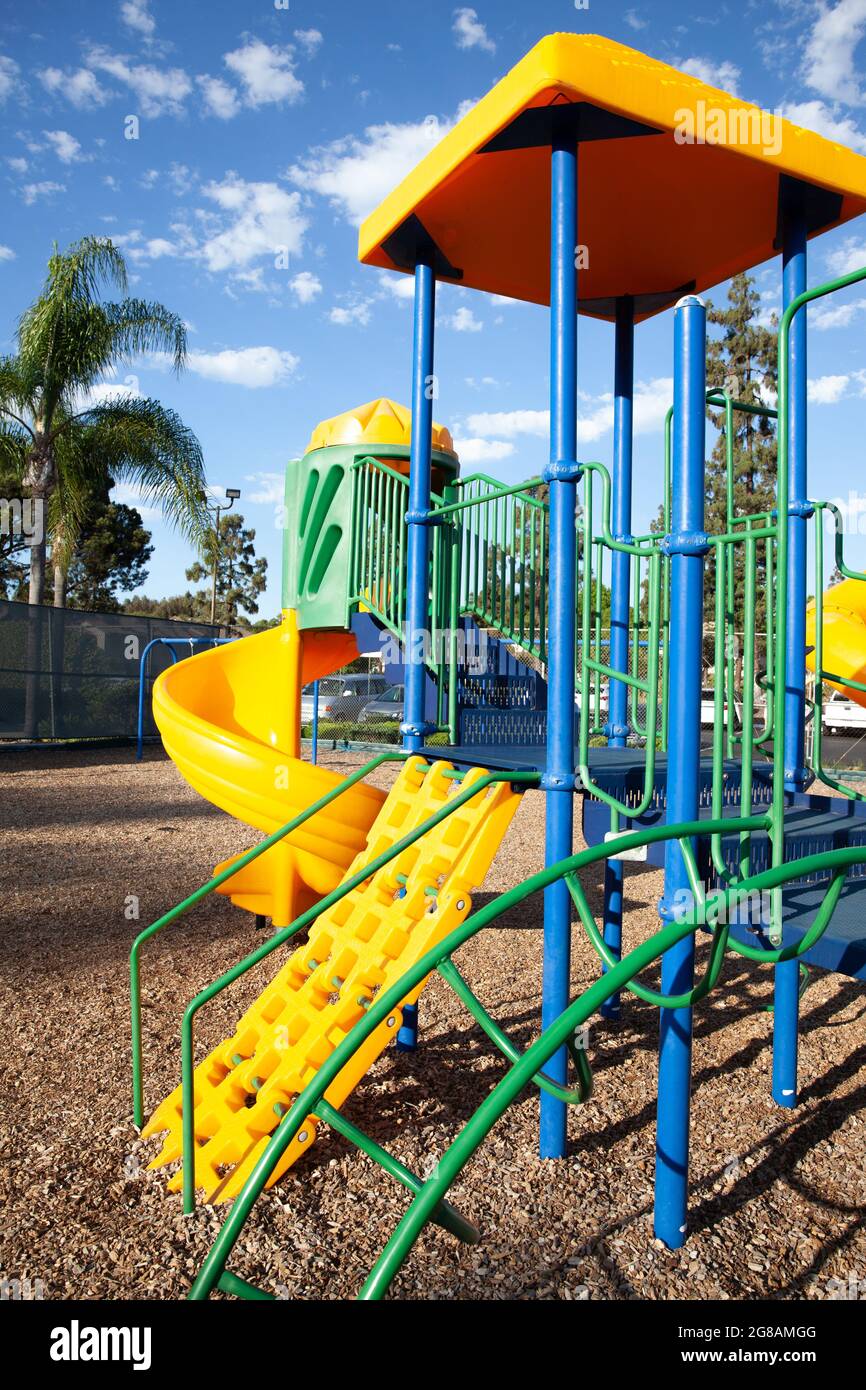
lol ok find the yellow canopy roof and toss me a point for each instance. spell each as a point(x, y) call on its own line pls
point(381, 422)
point(658, 215)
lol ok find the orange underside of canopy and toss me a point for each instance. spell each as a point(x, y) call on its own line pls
point(654, 214)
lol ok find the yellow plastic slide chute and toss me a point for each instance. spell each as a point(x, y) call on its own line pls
point(844, 632)
point(230, 721)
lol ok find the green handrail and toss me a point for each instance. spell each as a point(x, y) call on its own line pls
point(493, 1107)
point(532, 1061)
point(592, 664)
point(398, 755)
point(454, 803)
point(821, 673)
point(777, 831)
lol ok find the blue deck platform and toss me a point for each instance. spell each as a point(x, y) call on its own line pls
point(813, 824)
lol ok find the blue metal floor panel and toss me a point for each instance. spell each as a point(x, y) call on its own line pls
point(813, 824)
point(842, 948)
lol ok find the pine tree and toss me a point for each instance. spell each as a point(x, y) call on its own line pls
point(241, 577)
point(743, 361)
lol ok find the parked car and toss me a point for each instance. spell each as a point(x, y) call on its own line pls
point(388, 706)
point(841, 715)
point(708, 709)
point(342, 697)
point(328, 688)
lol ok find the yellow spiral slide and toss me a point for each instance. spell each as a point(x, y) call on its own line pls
point(844, 636)
point(230, 721)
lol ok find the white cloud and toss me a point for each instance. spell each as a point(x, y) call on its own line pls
point(815, 115)
point(725, 75)
point(463, 321)
point(399, 286)
point(651, 402)
point(263, 220)
point(128, 495)
point(135, 15)
point(356, 172)
point(305, 286)
point(357, 314)
point(80, 88)
point(836, 315)
point(8, 77)
point(158, 91)
point(309, 39)
point(827, 390)
point(155, 249)
point(220, 99)
point(46, 189)
point(17, 164)
point(829, 64)
point(851, 255)
point(634, 21)
point(509, 423)
point(469, 32)
point(6, 253)
point(483, 450)
point(254, 367)
point(109, 391)
point(266, 71)
point(269, 488)
point(64, 145)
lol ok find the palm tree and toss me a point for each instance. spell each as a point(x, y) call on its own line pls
point(57, 440)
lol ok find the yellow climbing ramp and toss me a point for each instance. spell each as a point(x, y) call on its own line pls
point(363, 944)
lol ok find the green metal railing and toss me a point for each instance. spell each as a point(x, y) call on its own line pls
point(777, 829)
point(503, 558)
point(377, 573)
point(306, 919)
point(592, 670)
point(822, 674)
point(710, 911)
point(210, 887)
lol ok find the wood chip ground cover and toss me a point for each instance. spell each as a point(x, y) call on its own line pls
point(778, 1198)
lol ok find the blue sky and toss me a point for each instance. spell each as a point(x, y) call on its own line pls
point(267, 131)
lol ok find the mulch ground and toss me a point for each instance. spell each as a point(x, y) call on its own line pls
point(91, 839)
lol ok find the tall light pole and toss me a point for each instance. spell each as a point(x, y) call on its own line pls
point(232, 495)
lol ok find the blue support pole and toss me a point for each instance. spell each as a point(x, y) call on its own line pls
point(787, 975)
point(617, 728)
point(171, 643)
point(687, 545)
point(562, 473)
point(414, 726)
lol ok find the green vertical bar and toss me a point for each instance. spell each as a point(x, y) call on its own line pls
point(749, 593)
point(533, 542)
point(542, 607)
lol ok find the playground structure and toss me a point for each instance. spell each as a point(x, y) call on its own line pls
point(388, 532)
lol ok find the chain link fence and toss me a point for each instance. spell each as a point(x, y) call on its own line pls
point(70, 674)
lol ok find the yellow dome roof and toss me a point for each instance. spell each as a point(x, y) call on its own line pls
point(378, 422)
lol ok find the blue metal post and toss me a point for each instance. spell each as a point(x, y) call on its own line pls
point(787, 975)
point(315, 728)
point(558, 780)
point(686, 545)
point(171, 643)
point(617, 728)
point(414, 726)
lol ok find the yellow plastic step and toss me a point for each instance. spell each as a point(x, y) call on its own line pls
point(363, 944)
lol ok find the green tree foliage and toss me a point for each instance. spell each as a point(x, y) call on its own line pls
point(241, 576)
point(56, 440)
point(110, 555)
point(741, 360)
